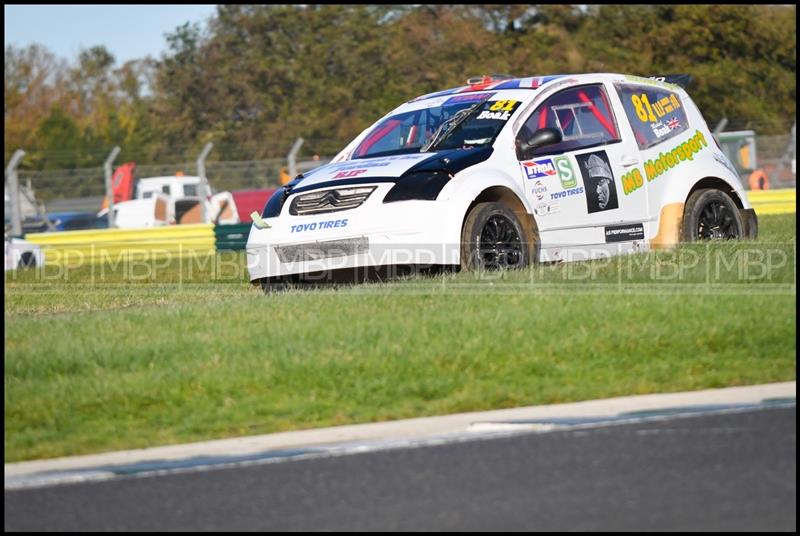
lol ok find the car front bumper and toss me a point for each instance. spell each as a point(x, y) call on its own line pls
point(378, 234)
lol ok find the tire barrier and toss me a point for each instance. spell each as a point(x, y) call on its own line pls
point(782, 201)
point(113, 245)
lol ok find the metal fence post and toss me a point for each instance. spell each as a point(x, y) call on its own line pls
point(201, 168)
point(292, 157)
point(109, 186)
point(793, 149)
point(13, 183)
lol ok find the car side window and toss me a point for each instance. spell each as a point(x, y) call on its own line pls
point(582, 114)
point(656, 114)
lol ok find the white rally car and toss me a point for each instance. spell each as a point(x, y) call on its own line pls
point(505, 172)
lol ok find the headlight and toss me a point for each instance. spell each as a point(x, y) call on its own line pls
point(274, 204)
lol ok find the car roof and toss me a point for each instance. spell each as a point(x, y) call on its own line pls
point(531, 83)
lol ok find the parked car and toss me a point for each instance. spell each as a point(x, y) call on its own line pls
point(175, 199)
point(505, 172)
point(19, 253)
point(77, 221)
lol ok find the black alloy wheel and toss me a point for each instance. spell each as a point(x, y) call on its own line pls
point(493, 238)
point(711, 214)
point(716, 221)
point(499, 244)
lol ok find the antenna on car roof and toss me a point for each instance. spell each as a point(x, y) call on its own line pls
point(682, 80)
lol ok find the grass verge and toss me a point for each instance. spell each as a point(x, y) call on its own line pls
point(190, 352)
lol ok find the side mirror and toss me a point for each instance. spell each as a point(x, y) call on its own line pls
point(540, 138)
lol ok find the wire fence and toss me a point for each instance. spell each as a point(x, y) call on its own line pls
point(84, 188)
point(81, 188)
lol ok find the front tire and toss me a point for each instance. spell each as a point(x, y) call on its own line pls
point(711, 214)
point(493, 238)
point(28, 260)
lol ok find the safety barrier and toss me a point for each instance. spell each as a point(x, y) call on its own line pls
point(782, 201)
point(232, 237)
point(99, 245)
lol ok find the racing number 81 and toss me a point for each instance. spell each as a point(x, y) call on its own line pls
point(503, 106)
point(640, 103)
point(644, 110)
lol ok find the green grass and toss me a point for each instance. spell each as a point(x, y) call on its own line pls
point(190, 351)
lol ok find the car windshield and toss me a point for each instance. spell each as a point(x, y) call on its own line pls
point(408, 132)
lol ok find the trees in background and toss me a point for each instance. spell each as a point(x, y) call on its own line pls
point(260, 76)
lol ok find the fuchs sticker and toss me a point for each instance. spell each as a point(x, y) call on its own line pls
point(598, 180)
point(539, 189)
point(625, 233)
point(538, 169)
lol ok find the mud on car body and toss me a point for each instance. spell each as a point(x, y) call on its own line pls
point(504, 173)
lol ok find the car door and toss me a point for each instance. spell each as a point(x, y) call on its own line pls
point(576, 185)
point(657, 117)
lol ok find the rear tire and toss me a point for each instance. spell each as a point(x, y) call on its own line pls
point(711, 214)
point(493, 238)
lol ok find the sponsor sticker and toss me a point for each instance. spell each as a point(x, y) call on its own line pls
point(545, 209)
point(625, 233)
point(722, 159)
point(544, 168)
point(313, 226)
point(349, 174)
point(598, 179)
point(368, 164)
point(674, 157)
point(538, 169)
point(539, 189)
point(468, 97)
point(567, 193)
point(565, 172)
point(632, 181)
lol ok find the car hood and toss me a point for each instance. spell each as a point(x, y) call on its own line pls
point(388, 168)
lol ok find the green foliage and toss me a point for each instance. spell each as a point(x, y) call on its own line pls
point(259, 76)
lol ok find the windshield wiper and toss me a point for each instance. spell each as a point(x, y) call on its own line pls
point(449, 126)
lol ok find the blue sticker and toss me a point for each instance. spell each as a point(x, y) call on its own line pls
point(468, 97)
point(537, 169)
point(567, 193)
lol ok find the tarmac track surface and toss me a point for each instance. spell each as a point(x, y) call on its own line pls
point(727, 471)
